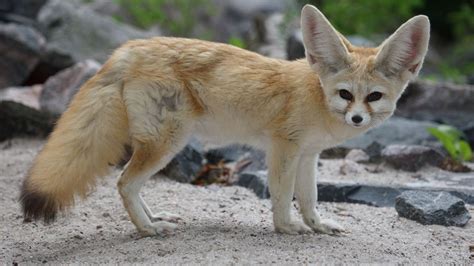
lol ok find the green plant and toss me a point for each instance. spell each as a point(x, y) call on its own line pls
point(453, 141)
point(178, 17)
point(236, 41)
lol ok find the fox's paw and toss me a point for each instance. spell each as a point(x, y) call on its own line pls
point(293, 228)
point(329, 227)
point(158, 228)
point(166, 216)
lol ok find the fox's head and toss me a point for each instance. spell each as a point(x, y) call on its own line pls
point(362, 85)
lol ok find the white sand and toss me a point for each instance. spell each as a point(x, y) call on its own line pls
point(220, 226)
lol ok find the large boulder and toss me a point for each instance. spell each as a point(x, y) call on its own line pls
point(81, 33)
point(20, 47)
point(440, 102)
point(59, 89)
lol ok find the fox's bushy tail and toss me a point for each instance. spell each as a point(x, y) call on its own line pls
point(89, 137)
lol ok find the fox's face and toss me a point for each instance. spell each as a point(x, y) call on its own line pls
point(362, 85)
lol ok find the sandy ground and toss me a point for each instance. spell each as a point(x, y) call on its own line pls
point(221, 225)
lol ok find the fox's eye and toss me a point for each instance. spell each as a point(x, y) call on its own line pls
point(346, 95)
point(374, 96)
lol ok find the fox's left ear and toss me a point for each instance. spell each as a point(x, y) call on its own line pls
point(402, 53)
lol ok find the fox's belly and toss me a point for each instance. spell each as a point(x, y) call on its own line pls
point(228, 129)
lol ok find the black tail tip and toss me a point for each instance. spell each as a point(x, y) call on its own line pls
point(37, 206)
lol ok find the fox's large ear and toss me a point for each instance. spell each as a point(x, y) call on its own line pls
point(402, 53)
point(325, 51)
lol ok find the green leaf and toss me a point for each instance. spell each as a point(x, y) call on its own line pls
point(237, 42)
point(465, 150)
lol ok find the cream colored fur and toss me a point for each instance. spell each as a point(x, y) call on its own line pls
point(170, 89)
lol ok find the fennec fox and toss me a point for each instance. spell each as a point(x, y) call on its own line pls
point(154, 94)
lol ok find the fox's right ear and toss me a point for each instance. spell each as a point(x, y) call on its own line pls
point(325, 51)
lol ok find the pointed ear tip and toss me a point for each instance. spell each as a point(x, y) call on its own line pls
point(422, 19)
point(310, 9)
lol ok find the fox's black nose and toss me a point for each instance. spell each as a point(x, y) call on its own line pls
point(357, 119)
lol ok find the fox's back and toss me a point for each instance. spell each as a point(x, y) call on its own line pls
point(230, 84)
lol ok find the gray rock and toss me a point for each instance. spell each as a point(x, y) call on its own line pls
point(374, 151)
point(395, 130)
point(26, 8)
point(20, 47)
point(185, 166)
point(255, 181)
point(237, 18)
point(411, 157)
point(273, 44)
point(441, 102)
point(78, 31)
point(28, 96)
point(432, 208)
point(59, 90)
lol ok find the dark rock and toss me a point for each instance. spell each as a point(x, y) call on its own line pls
point(235, 153)
point(186, 165)
point(50, 63)
point(59, 90)
point(334, 192)
point(432, 208)
point(411, 158)
point(379, 195)
point(255, 181)
point(335, 153)
point(20, 120)
point(20, 47)
point(76, 30)
point(469, 132)
point(395, 130)
point(26, 8)
point(294, 46)
point(374, 196)
point(374, 151)
point(28, 96)
point(440, 102)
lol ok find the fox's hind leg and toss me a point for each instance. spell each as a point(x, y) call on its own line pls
point(159, 128)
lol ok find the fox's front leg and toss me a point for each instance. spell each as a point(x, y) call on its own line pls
point(307, 196)
point(283, 162)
